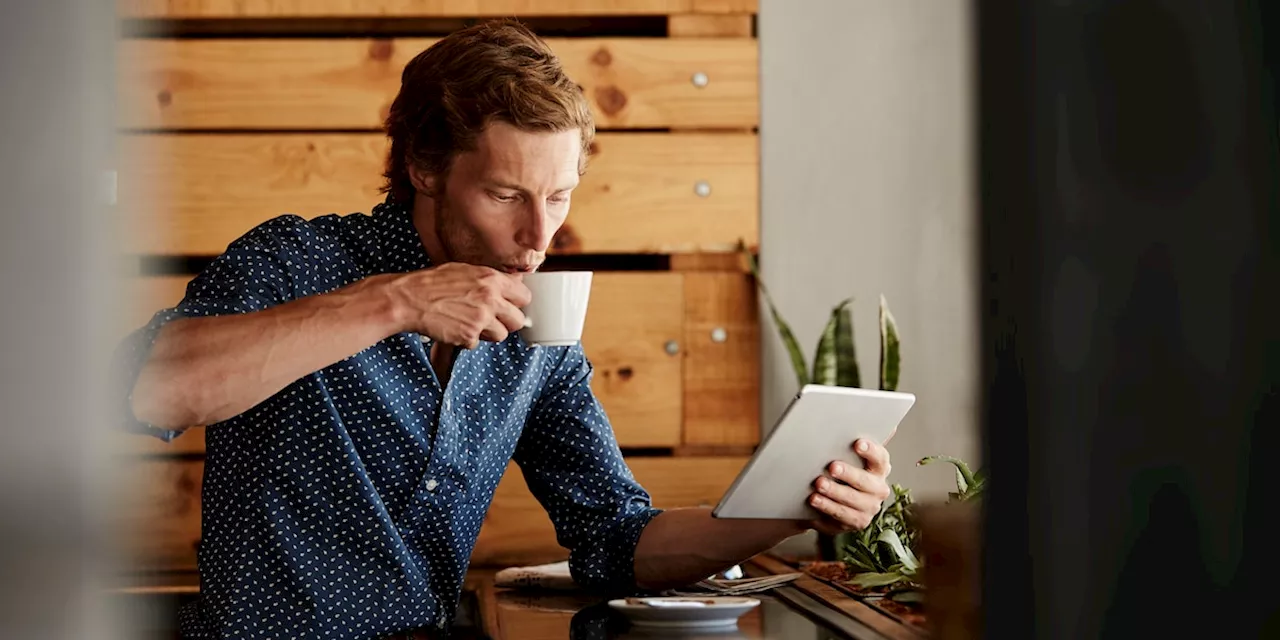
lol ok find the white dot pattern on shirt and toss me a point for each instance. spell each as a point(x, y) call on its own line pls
point(348, 504)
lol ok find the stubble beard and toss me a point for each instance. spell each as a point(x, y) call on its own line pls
point(459, 241)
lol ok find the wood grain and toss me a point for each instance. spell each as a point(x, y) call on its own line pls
point(158, 518)
point(517, 530)
point(709, 261)
point(192, 194)
point(156, 514)
point(856, 609)
point(637, 382)
point(186, 9)
point(630, 319)
point(709, 26)
point(722, 355)
point(290, 84)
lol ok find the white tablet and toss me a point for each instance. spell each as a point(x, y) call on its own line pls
point(818, 427)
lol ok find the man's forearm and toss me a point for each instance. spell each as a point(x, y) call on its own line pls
point(682, 546)
point(204, 370)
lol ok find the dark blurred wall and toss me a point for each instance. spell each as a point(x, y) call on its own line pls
point(1128, 188)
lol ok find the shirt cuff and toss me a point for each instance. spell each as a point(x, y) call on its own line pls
point(130, 357)
point(608, 563)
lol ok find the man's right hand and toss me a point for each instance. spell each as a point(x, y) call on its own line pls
point(459, 304)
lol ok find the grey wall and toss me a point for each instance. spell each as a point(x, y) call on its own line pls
point(867, 189)
point(56, 67)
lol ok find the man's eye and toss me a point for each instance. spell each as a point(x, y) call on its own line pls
point(501, 198)
point(559, 198)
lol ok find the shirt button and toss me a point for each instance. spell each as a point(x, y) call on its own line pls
point(448, 406)
point(432, 484)
point(442, 623)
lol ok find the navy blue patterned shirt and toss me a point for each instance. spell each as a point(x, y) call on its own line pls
point(348, 504)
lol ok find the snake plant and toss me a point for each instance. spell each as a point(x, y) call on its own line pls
point(835, 361)
point(883, 555)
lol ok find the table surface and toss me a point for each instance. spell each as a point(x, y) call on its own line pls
point(791, 613)
point(806, 609)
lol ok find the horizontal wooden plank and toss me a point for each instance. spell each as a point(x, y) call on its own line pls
point(710, 261)
point(158, 516)
point(636, 380)
point(348, 84)
point(192, 194)
point(710, 26)
point(186, 9)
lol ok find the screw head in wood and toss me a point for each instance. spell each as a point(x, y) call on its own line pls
point(700, 79)
point(718, 334)
point(702, 188)
point(672, 347)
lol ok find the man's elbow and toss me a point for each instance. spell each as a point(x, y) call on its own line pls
point(158, 400)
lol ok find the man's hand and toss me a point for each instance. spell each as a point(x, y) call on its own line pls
point(459, 304)
point(851, 506)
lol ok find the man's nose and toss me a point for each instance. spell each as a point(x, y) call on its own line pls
point(536, 231)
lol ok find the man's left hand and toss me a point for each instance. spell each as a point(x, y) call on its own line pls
point(851, 506)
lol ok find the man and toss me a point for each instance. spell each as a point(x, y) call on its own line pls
point(365, 387)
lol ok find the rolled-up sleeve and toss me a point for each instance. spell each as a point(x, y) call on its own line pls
point(252, 275)
point(573, 466)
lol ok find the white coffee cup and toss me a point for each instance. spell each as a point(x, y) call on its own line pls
point(558, 309)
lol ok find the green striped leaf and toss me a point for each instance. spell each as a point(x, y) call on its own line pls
point(828, 361)
point(846, 358)
point(784, 331)
point(890, 349)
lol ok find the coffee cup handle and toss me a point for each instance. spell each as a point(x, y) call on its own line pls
point(528, 322)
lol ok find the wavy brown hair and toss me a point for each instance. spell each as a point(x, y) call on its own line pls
point(493, 71)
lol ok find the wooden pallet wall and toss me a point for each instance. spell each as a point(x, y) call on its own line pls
point(236, 111)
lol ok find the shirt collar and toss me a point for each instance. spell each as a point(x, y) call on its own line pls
point(401, 245)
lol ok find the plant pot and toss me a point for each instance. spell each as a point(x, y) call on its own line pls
point(829, 546)
point(826, 547)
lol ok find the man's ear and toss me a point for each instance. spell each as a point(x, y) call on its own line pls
point(423, 182)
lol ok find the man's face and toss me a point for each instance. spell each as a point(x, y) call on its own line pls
point(501, 204)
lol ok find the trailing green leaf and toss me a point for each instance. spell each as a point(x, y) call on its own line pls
point(961, 466)
point(904, 555)
point(859, 558)
point(784, 331)
point(912, 596)
point(890, 349)
point(969, 484)
point(873, 549)
point(870, 579)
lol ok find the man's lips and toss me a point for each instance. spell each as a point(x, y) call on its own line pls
point(520, 268)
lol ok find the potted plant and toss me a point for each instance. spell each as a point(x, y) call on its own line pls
point(883, 557)
point(835, 363)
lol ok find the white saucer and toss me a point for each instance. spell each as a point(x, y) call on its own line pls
point(713, 612)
